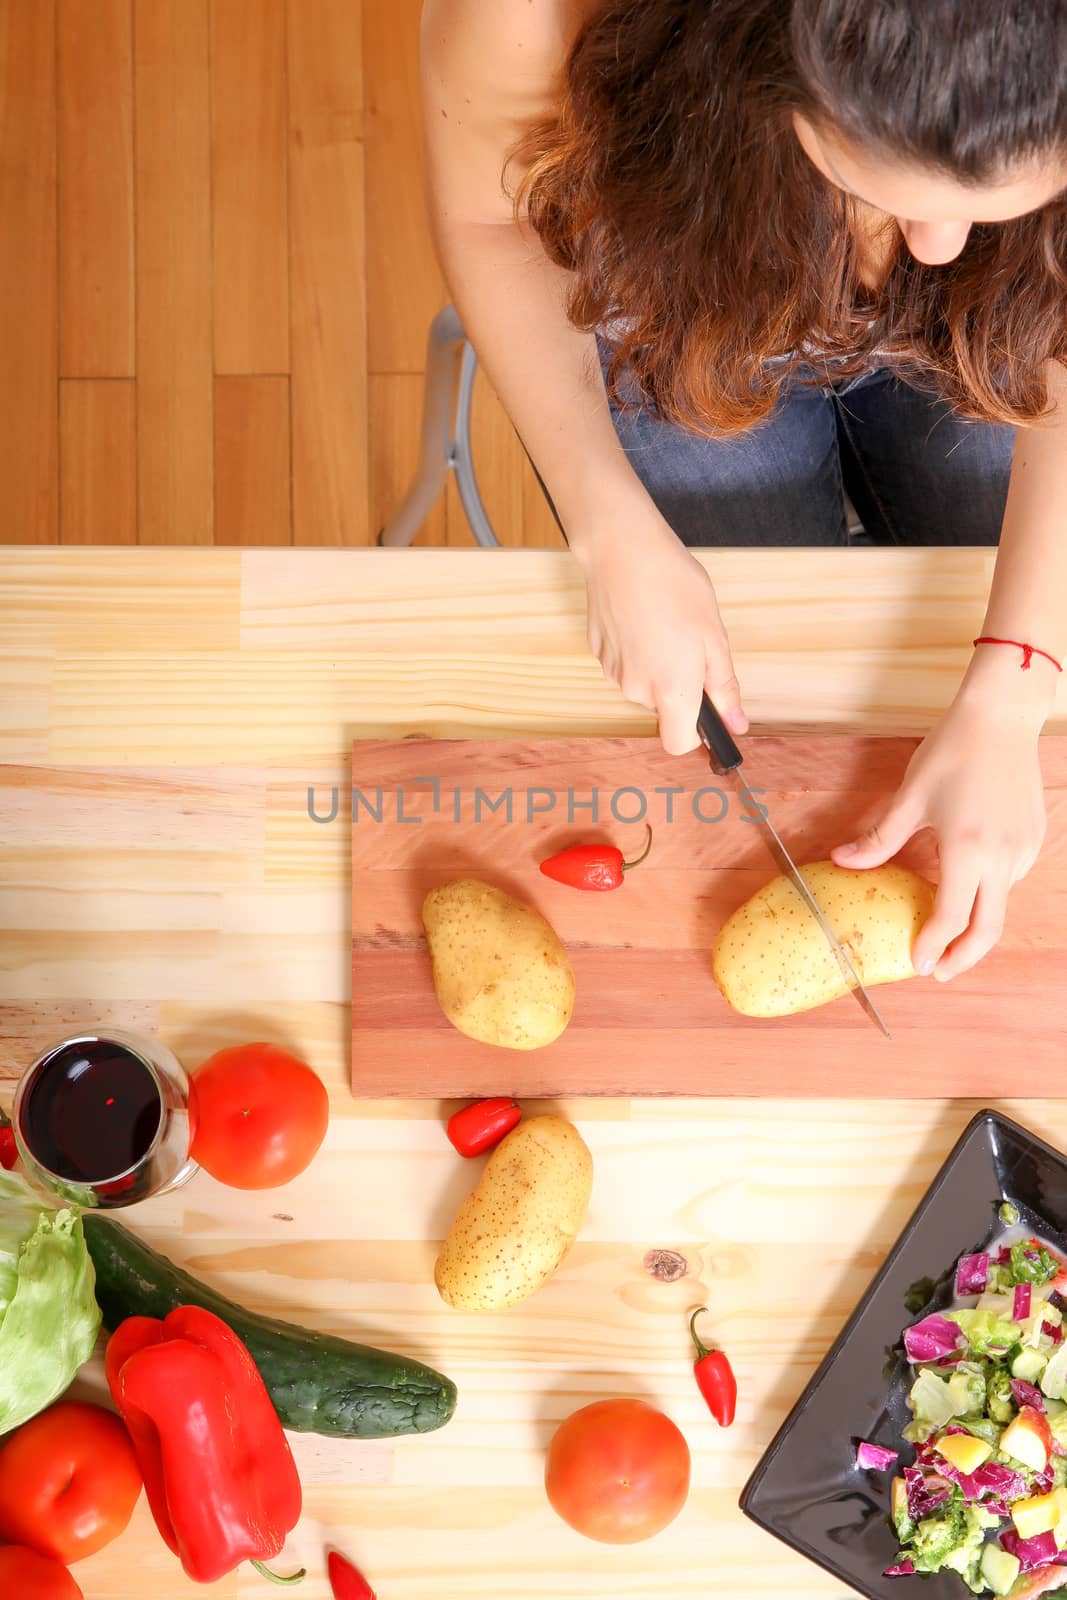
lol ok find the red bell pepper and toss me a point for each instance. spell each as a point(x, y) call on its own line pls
point(218, 1471)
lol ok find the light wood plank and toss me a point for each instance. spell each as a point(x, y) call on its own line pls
point(25, 699)
point(96, 255)
point(250, 185)
point(26, 1030)
point(252, 480)
point(896, 623)
point(404, 283)
point(29, 425)
point(98, 461)
point(394, 426)
point(99, 703)
point(151, 599)
point(327, 263)
point(174, 344)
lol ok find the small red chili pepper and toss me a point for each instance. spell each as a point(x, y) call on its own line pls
point(345, 1581)
point(480, 1126)
point(715, 1377)
point(592, 866)
point(9, 1152)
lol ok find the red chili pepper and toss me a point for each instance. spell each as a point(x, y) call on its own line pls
point(480, 1126)
point(592, 866)
point(715, 1377)
point(345, 1581)
point(9, 1150)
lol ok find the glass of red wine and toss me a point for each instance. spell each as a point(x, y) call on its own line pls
point(103, 1119)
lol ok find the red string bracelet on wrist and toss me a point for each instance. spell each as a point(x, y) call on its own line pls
point(1028, 651)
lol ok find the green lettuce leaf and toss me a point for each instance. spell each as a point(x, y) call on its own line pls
point(49, 1318)
point(987, 1333)
point(1032, 1263)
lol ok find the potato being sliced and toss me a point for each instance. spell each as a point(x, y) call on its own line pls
point(772, 959)
point(500, 970)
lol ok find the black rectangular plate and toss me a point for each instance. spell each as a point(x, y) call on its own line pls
point(807, 1490)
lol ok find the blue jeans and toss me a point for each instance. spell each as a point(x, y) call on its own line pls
point(916, 473)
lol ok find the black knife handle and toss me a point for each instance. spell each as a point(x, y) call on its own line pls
point(716, 738)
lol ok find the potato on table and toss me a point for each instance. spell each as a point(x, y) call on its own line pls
point(500, 970)
point(772, 958)
point(513, 1231)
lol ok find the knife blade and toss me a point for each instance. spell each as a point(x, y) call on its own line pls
point(726, 761)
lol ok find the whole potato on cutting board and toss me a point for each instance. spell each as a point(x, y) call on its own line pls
point(772, 959)
point(500, 970)
point(513, 1231)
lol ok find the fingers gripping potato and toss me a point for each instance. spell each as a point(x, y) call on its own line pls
point(772, 958)
point(500, 971)
point(511, 1234)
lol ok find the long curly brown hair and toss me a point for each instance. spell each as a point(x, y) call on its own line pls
point(671, 185)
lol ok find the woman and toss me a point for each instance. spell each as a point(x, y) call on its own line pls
point(794, 241)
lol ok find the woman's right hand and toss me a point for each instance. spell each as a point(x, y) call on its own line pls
point(654, 626)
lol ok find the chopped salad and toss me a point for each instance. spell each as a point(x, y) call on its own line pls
point(986, 1494)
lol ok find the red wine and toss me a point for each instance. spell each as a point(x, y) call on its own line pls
point(92, 1111)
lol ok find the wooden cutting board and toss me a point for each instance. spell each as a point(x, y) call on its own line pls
point(648, 1018)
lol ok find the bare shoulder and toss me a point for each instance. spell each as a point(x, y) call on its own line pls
point(510, 52)
point(491, 69)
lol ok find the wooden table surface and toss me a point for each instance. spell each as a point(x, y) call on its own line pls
point(162, 716)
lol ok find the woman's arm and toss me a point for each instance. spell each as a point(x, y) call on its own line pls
point(489, 69)
point(1029, 590)
point(976, 780)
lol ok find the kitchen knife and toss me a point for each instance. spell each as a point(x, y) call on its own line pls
point(726, 762)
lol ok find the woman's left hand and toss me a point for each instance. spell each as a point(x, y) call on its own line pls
point(977, 783)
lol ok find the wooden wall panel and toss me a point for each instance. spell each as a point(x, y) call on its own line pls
point(404, 284)
point(249, 172)
point(199, 189)
point(252, 461)
point(98, 461)
point(94, 55)
point(174, 343)
point(29, 377)
point(327, 265)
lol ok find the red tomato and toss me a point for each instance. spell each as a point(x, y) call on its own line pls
point(260, 1115)
point(32, 1577)
point(618, 1471)
point(69, 1481)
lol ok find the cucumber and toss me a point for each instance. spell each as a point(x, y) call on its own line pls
point(999, 1569)
point(1029, 1364)
point(318, 1383)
